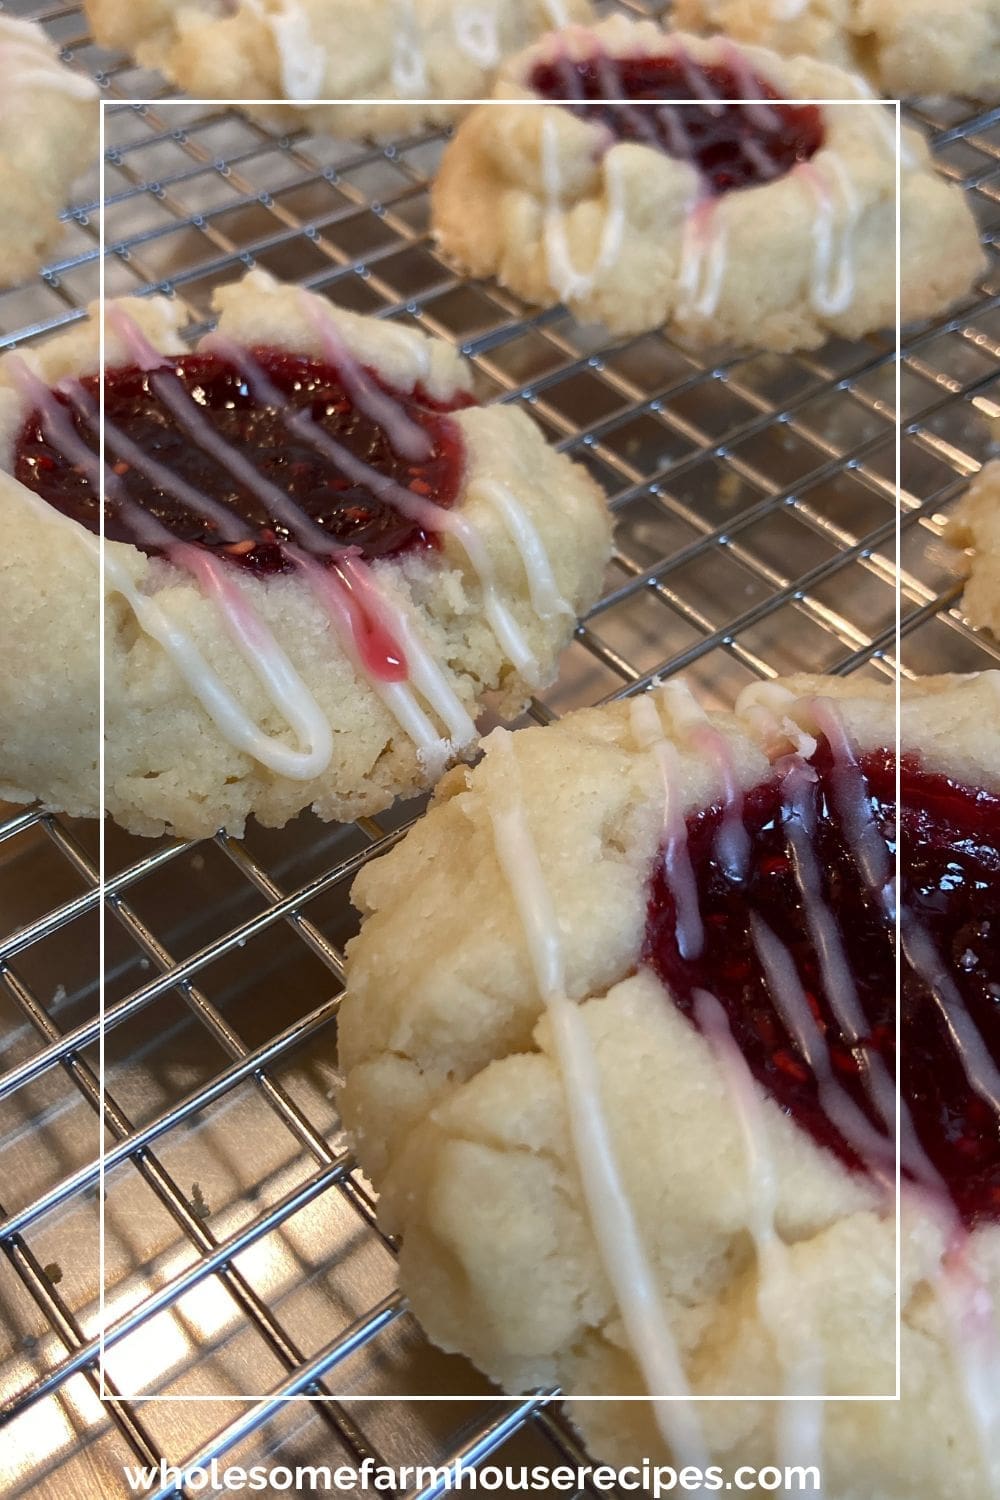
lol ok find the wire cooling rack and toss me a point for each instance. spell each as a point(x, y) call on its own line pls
point(756, 535)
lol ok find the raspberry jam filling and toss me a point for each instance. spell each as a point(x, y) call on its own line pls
point(732, 145)
point(348, 510)
point(951, 891)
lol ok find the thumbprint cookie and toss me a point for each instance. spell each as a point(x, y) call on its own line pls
point(976, 526)
point(749, 223)
point(48, 135)
point(620, 1051)
point(321, 553)
point(904, 47)
point(405, 64)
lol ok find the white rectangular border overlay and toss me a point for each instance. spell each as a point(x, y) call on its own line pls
point(223, 1441)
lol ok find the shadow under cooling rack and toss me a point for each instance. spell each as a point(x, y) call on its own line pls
point(756, 515)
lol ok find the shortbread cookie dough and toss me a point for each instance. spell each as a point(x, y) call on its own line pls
point(415, 52)
point(746, 225)
point(619, 1048)
point(976, 526)
point(321, 555)
point(904, 47)
point(48, 135)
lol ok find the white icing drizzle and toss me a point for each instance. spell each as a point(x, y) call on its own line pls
point(333, 587)
point(760, 110)
point(924, 959)
point(850, 797)
point(704, 251)
point(562, 272)
point(546, 599)
point(776, 731)
point(432, 518)
point(611, 1213)
point(269, 664)
point(686, 712)
point(571, 86)
point(796, 1346)
point(34, 66)
point(671, 118)
point(697, 81)
point(407, 437)
point(792, 1005)
point(732, 842)
point(647, 728)
point(425, 673)
point(569, 281)
point(609, 78)
point(557, 13)
point(477, 34)
point(301, 58)
point(838, 210)
point(409, 66)
point(759, 159)
point(143, 354)
point(413, 347)
point(613, 227)
point(799, 824)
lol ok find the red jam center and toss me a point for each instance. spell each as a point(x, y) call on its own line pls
point(732, 145)
point(951, 886)
point(351, 513)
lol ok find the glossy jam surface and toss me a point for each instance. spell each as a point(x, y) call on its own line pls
point(732, 145)
point(351, 514)
point(951, 863)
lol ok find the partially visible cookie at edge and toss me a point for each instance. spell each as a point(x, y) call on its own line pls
point(386, 62)
point(904, 47)
point(48, 136)
point(530, 960)
point(976, 526)
point(760, 227)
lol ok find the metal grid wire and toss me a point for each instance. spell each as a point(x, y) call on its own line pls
point(756, 535)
